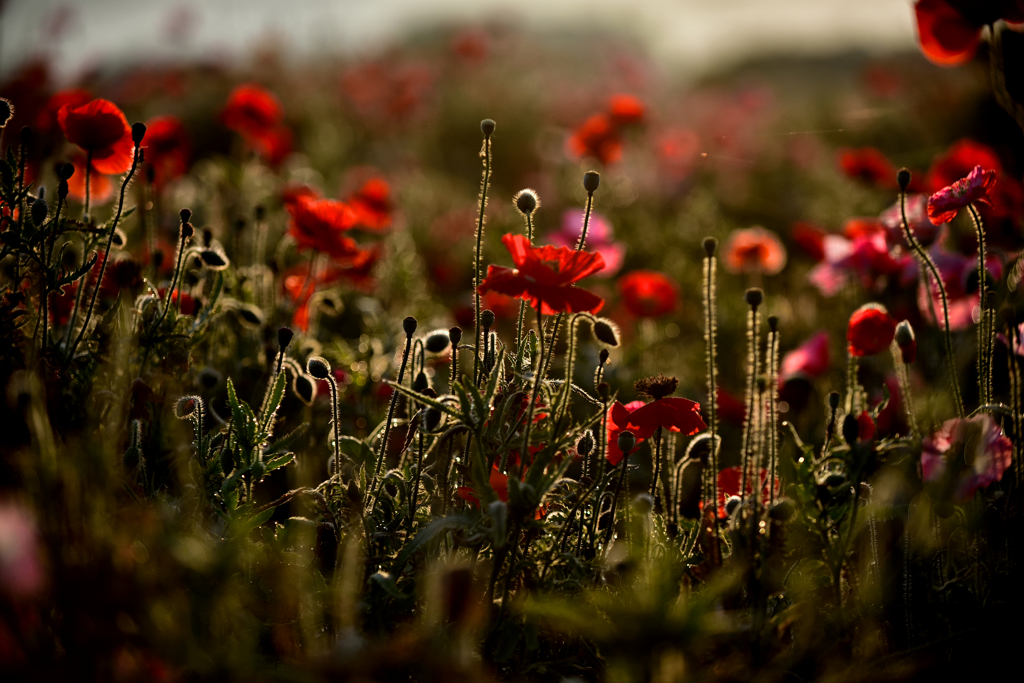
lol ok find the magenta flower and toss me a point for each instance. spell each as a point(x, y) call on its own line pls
point(810, 359)
point(599, 238)
point(947, 202)
point(866, 257)
point(966, 455)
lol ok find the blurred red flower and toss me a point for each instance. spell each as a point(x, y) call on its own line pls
point(754, 250)
point(100, 129)
point(950, 30)
point(100, 187)
point(618, 421)
point(189, 306)
point(961, 157)
point(46, 120)
point(274, 145)
point(810, 359)
point(167, 148)
point(867, 164)
point(648, 294)
point(321, 224)
point(597, 137)
point(252, 111)
point(730, 481)
point(870, 331)
point(944, 205)
point(499, 482)
point(923, 230)
point(810, 238)
point(625, 110)
point(544, 276)
point(372, 204)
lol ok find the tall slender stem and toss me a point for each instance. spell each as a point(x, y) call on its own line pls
point(478, 258)
point(524, 454)
point(391, 409)
point(985, 327)
point(88, 178)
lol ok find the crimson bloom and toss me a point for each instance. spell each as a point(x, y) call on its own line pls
point(252, 111)
point(966, 455)
point(102, 130)
point(321, 224)
point(950, 30)
point(730, 481)
point(372, 204)
point(868, 165)
point(597, 137)
point(754, 250)
point(671, 413)
point(544, 276)
point(100, 187)
point(870, 331)
point(974, 188)
point(167, 148)
point(648, 294)
point(625, 110)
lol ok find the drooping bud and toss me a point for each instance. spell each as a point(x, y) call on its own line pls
point(906, 341)
point(214, 259)
point(6, 112)
point(591, 181)
point(903, 178)
point(251, 314)
point(138, 132)
point(626, 441)
point(305, 388)
point(65, 171)
point(186, 407)
point(437, 342)
point(606, 331)
point(754, 296)
point(487, 127)
point(284, 337)
point(431, 419)
point(710, 245)
point(318, 367)
point(409, 325)
point(420, 384)
point(527, 202)
point(602, 357)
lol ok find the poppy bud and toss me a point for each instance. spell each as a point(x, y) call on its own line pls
point(585, 446)
point(431, 419)
point(603, 356)
point(186, 407)
point(437, 342)
point(710, 245)
point(455, 334)
point(409, 325)
point(39, 212)
point(6, 112)
point(527, 202)
point(185, 215)
point(318, 367)
point(773, 323)
point(214, 259)
point(754, 296)
point(119, 238)
point(487, 319)
point(420, 383)
point(305, 388)
point(284, 337)
point(870, 331)
point(903, 178)
point(187, 230)
point(26, 136)
point(65, 171)
point(906, 341)
point(591, 181)
point(731, 503)
point(850, 429)
point(138, 132)
point(487, 127)
point(833, 400)
point(606, 332)
point(626, 441)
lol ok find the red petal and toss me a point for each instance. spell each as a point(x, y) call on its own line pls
point(947, 39)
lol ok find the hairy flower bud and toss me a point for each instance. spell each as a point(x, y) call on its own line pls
point(185, 215)
point(318, 367)
point(527, 202)
point(487, 127)
point(850, 429)
point(585, 446)
point(187, 406)
point(305, 388)
point(626, 441)
point(833, 400)
point(754, 296)
point(138, 132)
point(903, 178)
point(602, 357)
point(39, 212)
point(906, 342)
point(431, 419)
point(284, 337)
point(606, 332)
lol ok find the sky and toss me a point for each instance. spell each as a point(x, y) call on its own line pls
point(691, 35)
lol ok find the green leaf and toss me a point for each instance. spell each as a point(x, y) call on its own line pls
point(287, 441)
point(461, 520)
point(278, 461)
point(256, 520)
point(274, 402)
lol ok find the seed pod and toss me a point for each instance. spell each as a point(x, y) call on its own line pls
point(754, 297)
point(591, 181)
point(606, 331)
point(409, 325)
point(487, 319)
point(626, 441)
point(710, 245)
point(487, 127)
point(437, 342)
point(455, 334)
point(318, 367)
point(527, 202)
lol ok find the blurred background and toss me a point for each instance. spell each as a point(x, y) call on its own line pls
point(692, 36)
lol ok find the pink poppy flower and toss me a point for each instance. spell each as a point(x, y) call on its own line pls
point(754, 250)
point(966, 455)
point(810, 359)
point(974, 188)
point(600, 238)
point(867, 257)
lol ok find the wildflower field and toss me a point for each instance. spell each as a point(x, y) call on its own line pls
point(499, 356)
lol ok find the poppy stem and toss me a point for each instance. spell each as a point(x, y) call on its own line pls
point(88, 178)
point(478, 254)
point(773, 398)
point(106, 252)
point(522, 303)
point(524, 454)
point(615, 498)
point(182, 240)
point(391, 415)
point(54, 222)
point(711, 356)
point(926, 260)
point(750, 424)
point(986, 322)
point(657, 470)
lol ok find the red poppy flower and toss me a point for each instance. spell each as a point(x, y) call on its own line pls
point(100, 187)
point(624, 110)
point(944, 205)
point(46, 120)
point(291, 193)
point(499, 482)
point(810, 359)
point(189, 306)
point(648, 294)
point(670, 413)
point(372, 204)
point(870, 331)
point(598, 137)
point(101, 129)
point(274, 145)
point(967, 454)
point(961, 157)
point(358, 270)
point(754, 250)
point(950, 30)
point(544, 276)
point(320, 224)
point(730, 481)
point(860, 227)
point(252, 111)
point(167, 149)
point(618, 420)
point(810, 238)
point(865, 427)
point(868, 165)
